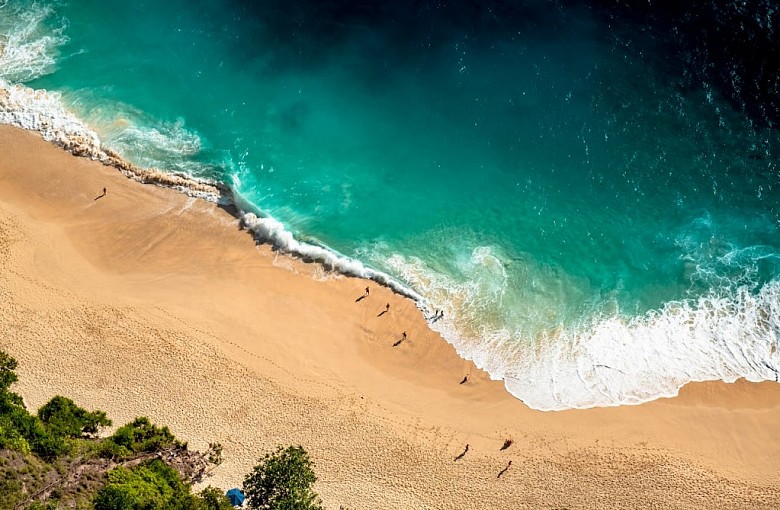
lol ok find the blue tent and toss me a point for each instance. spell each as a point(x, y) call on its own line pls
point(235, 496)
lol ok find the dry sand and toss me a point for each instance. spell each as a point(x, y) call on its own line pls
point(148, 302)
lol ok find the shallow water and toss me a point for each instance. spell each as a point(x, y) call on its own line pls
point(593, 207)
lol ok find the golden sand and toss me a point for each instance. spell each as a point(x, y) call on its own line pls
point(148, 302)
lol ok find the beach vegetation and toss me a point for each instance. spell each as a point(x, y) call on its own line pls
point(7, 371)
point(62, 417)
point(283, 479)
point(139, 436)
point(55, 459)
point(213, 498)
point(149, 485)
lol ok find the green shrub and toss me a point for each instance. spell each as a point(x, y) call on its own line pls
point(10, 437)
point(37, 505)
point(10, 491)
point(213, 498)
point(49, 447)
point(20, 430)
point(283, 480)
point(7, 374)
point(24, 430)
point(62, 417)
point(151, 485)
point(110, 450)
point(140, 436)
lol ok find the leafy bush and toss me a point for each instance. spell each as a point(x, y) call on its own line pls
point(20, 430)
point(7, 374)
point(146, 486)
point(213, 498)
point(283, 480)
point(10, 491)
point(10, 437)
point(27, 433)
point(62, 417)
point(139, 436)
point(48, 447)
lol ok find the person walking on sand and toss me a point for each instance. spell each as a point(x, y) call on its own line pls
point(404, 335)
point(387, 307)
point(367, 291)
point(465, 379)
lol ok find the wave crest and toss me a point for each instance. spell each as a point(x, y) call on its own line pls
point(272, 231)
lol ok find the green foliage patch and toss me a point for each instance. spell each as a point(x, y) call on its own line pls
point(53, 459)
point(139, 436)
point(63, 418)
point(282, 480)
point(148, 485)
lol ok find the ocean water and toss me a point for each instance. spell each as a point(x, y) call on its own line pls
point(588, 190)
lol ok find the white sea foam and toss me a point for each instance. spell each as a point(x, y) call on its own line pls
point(272, 231)
point(43, 111)
point(613, 359)
point(28, 48)
point(628, 361)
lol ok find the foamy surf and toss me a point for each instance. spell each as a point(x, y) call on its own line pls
point(28, 48)
point(611, 359)
point(272, 231)
point(43, 112)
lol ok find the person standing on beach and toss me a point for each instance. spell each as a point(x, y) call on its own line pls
point(367, 291)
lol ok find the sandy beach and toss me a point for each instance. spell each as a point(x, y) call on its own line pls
point(148, 302)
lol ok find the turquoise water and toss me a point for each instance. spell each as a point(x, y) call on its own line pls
point(598, 226)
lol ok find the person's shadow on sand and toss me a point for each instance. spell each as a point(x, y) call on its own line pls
point(465, 451)
point(101, 195)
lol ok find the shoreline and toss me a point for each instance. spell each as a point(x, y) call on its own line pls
point(41, 111)
point(150, 302)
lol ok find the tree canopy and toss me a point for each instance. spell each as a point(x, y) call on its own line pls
point(282, 480)
point(63, 417)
